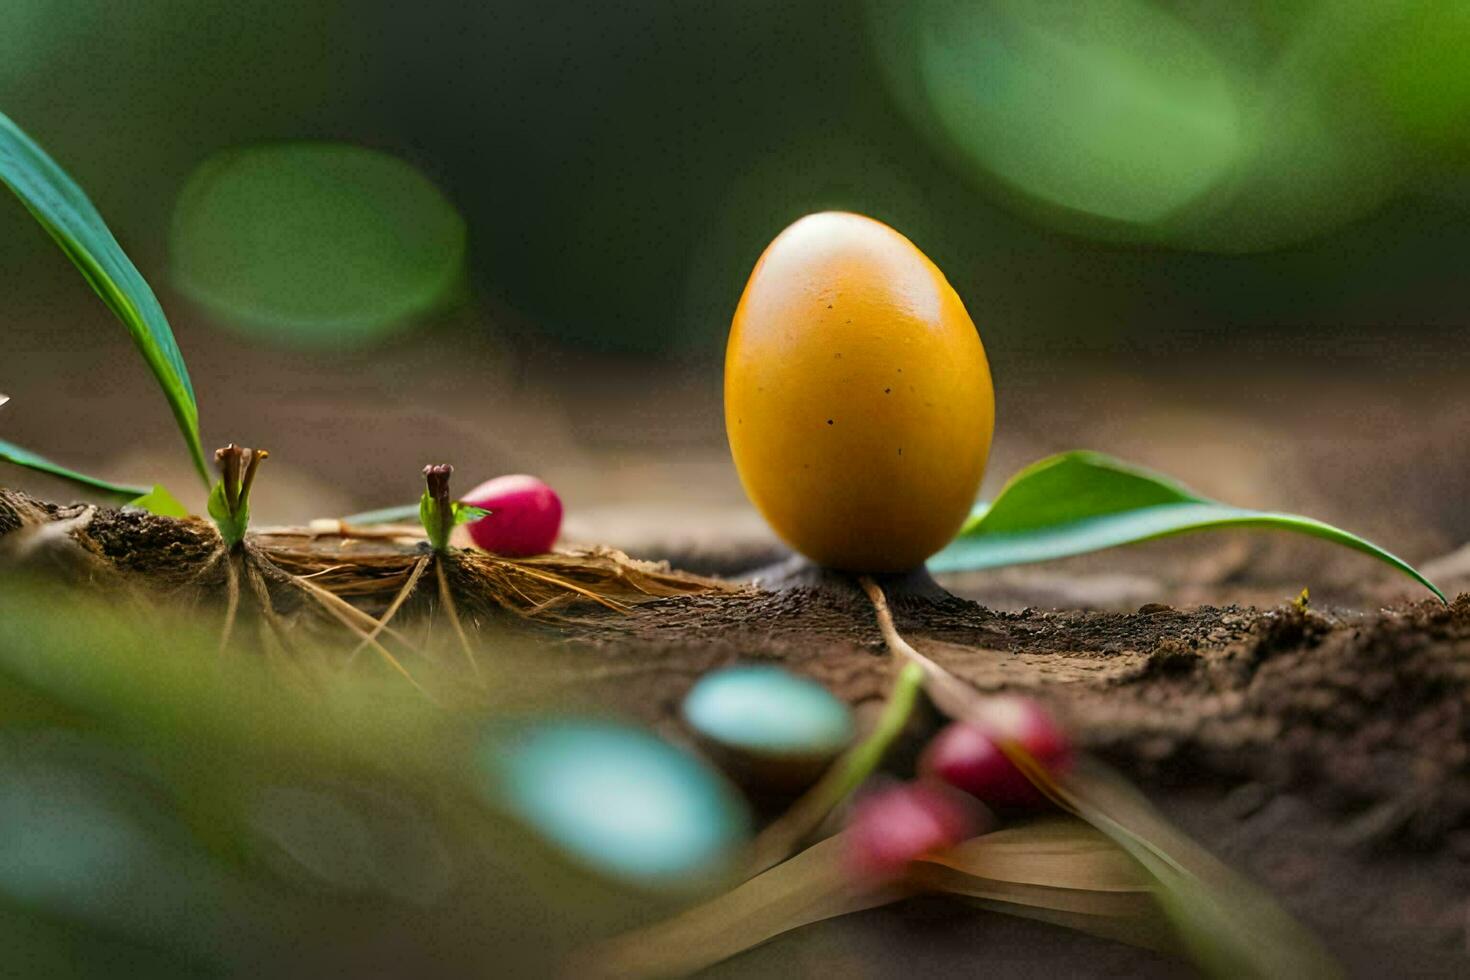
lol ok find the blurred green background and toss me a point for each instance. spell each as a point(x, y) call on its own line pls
point(1088, 174)
point(511, 234)
point(1225, 238)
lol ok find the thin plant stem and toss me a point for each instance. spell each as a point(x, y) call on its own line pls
point(232, 602)
point(567, 584)
point(338, 608)
point(950, 694)
point(446, 598)
point(413, 580)
point(778, 841)
point(342, 608)
point(262, 592)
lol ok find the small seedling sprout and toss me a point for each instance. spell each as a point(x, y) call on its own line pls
point(229, 500)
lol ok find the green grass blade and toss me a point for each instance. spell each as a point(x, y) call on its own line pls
point(403, 514)
point(1230, 926)
point(11, 453)
point(159, 501)
point(73, 222)
point(1081, 502)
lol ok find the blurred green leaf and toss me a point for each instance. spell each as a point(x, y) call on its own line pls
point(465, 513)
point(617, 800)
point(1418, 65)
point(202, 807)
point(384, 515)
point(159, 501)
point(1113, 108)
point(812, 886)
point(11, 453)
point(320, 245)
point(64, 211)
point(1077, 502)
point(1231, 927)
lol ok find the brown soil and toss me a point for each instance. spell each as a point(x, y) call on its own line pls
point(1324, 752)
point(1368, 715)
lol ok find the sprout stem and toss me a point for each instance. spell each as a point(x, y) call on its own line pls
point(436, 510)
point(229, 501)
point(781, 838)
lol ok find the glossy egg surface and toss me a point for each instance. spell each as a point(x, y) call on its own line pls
point(858, 398)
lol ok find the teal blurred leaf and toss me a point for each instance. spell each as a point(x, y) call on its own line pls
point(463, 514)
point(160, 502)
point(315, 244)
point(384, 515)
point(11, 453)
point(768, 711)
point(1078, 502)
point(64, 211)
point(617, 801)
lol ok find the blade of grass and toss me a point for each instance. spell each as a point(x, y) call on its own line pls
point(159, 501)
point(61, 207)
point(1079, 502)
point(785, 833)
point(1230, 927)
point(808, 888)
point(1058, 870)
point(1050, 851)
point(11, 453)
point(406, 514)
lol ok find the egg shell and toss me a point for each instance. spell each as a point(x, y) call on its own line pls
point(616, 800)
point(771, 730)
point(525, 516)
point(858, 399)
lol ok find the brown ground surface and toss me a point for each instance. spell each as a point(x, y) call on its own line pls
point(1322, 752)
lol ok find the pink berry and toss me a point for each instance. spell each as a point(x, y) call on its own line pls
point(525, 516)
point(894, 826)
point(966, 754)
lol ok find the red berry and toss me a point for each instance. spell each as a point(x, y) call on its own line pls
point(967, 754)
point(525, 516)
point(894, 826)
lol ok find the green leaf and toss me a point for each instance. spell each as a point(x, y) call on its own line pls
point(11, 453)
point(231, 526)
point(64, 211)
point(386, 515)
point(429, 518)
point(464, 513)
point(159, 501)
point(1078, 502)
point(1230, 926)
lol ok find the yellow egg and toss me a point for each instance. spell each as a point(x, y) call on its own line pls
point(858, 399)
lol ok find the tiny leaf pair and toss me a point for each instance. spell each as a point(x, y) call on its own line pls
point(439, 514)
point(229, 501)
point(1078, 502)
point(61, 207)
